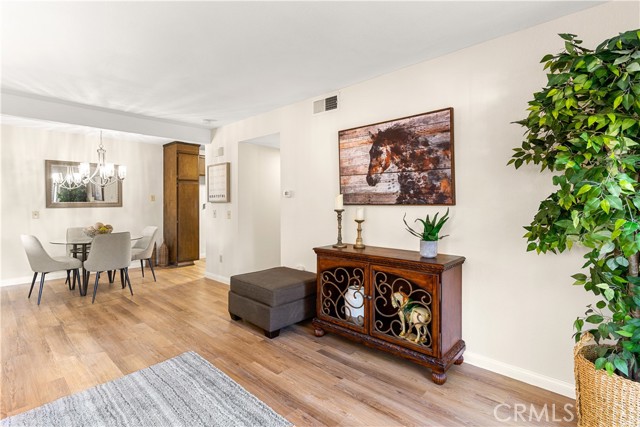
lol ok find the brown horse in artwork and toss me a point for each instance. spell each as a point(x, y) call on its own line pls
point(423, 168)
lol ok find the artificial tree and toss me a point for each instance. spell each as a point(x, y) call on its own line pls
point(584, 127)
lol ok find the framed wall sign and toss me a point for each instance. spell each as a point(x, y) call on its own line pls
point(218, 183)
point(406, 161)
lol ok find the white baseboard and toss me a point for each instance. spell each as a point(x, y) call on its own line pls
point(218, 278)
point(27, 279)
point(55, 275)
point(520, 374)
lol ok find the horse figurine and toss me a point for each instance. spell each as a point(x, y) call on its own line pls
point(412, 316)
point(422, 165)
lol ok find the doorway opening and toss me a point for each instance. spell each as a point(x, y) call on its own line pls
point(259, 203)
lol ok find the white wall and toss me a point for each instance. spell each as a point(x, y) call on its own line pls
point(258, 207)
point(23, 152)
point(518, 307)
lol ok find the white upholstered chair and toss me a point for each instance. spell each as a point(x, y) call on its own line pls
point(41, 262)
point(109, 252)
point(75, 250)
point(143, 248)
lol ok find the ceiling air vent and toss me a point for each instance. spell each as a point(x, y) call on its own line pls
point(326, 104)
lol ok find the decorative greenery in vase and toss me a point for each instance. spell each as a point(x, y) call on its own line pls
point(431, 227)
point(584, 126)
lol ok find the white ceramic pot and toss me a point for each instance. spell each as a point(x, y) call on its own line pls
point(428, 248)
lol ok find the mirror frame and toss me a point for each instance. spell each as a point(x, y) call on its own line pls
point(48, 186)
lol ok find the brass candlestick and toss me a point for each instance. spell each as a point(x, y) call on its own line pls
point(359, 244)
point(339, 243)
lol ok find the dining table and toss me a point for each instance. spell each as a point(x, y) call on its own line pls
point(80, 245)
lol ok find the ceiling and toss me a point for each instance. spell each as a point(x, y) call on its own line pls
point(179, 64)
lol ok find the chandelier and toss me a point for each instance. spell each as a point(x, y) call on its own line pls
point(104, 174)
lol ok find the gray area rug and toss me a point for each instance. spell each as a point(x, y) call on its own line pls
point(183, 391)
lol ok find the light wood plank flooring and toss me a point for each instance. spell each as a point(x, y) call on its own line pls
point(67, 345)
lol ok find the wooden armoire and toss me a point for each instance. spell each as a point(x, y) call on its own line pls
point(181, 202)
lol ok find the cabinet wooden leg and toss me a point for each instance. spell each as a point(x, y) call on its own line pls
point(459, 360)
point(438, 377)
point(318, 331)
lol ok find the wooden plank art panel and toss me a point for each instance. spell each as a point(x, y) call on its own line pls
point(407, 161)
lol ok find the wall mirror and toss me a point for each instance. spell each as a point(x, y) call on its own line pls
point(85, 196)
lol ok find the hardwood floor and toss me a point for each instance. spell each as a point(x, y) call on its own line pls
point(67, 345)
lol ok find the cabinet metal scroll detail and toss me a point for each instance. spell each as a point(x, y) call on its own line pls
point(342, 294)
point(402, 310)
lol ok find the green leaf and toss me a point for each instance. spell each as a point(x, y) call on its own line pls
point(626, 185)
point(617, 101)
point(594, 318)
point(621, 365)
point(578, 324)
point(627, 123)
point(627, 101)
point(600, 361)
point(546, 58)
point(624, 333)
point(605, 206)
point(607, 248)
point(584, 189)
point(614, 202)
point(609, 294)
point(633, 67)
point(609, 368)
point(622, 261)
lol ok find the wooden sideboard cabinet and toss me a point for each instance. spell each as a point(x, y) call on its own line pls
point(395, 301)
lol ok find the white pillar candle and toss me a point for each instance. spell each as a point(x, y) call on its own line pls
point(339, 205)
point(360, 213)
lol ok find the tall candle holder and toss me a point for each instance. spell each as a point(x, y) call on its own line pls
point(339, 243)
point(359, 244)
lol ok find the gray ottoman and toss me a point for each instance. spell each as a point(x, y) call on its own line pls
point(273, 299)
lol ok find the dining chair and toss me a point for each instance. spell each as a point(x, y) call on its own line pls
point(143, 248)
point(74, 250)
point(41, 262)
point(109, 252)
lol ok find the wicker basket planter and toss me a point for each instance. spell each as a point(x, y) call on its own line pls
point(603, 400)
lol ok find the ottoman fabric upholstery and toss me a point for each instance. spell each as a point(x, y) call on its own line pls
point(273, 299)
point(275, 286)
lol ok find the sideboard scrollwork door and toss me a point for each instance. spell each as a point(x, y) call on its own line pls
point(342, 293)
point(405, 308)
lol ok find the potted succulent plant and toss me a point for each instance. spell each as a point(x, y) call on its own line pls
point(584, 127)
point(430, 233)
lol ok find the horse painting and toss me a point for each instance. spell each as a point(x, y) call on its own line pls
point(408, 161)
